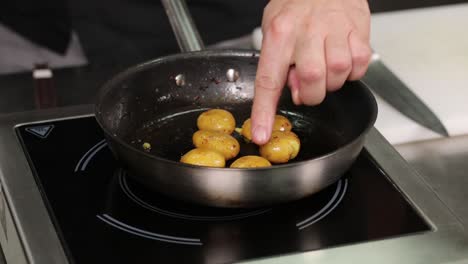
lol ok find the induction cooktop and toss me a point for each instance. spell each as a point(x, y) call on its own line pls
point(102, 216)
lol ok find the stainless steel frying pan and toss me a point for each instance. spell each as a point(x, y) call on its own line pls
point(158, 102)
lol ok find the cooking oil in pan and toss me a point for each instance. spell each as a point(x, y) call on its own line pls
point(170, 136)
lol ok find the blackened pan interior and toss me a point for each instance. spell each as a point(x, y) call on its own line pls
point(145, 104)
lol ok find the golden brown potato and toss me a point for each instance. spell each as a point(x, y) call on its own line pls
point(281, 148)
point(204, 157)
point(250, 162)
point(281, 124)
point(245, 130)
point(217, 141)
point(216, 120)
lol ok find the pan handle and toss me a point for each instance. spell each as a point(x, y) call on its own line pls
point(183, 26)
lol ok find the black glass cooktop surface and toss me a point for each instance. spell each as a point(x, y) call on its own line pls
point(102, 216)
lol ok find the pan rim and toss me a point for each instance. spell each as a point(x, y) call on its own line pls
point(110, 83)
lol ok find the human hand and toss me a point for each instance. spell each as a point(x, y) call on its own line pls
point(314, 45)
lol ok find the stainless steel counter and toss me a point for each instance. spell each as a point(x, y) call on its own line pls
point(443, 164)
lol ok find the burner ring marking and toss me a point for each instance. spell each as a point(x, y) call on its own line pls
point(328, 208)
point(86, 158)
point(146, 234)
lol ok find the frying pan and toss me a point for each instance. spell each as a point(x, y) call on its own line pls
point(158, 102)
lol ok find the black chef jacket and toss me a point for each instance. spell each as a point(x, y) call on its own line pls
point(124, 31)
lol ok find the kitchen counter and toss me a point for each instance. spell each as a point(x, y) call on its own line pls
point(427, 49)
point(442, 163)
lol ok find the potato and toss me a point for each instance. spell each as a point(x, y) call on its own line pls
point(281, 124)
point(223, 143)
point(216, 120)
point(204, 157)
point(281, 148)
point(246, 130)
point(250, 161)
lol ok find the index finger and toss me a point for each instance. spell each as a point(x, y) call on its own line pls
point(272, 71)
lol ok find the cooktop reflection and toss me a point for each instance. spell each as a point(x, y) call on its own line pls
point(101, 215)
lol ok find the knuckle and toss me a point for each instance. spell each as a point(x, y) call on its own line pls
point(267, 13)
point(339, 65)
point(362, 55)
point(267, 83)
point(311, 73)
point(280, 25)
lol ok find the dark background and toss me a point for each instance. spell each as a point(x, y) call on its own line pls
point(116, 34)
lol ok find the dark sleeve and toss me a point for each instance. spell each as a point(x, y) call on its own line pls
point(131, 31)
point(218, 20)
point(45, 22)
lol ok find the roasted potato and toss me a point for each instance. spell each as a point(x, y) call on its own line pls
point(216, 120)
point(281, 148)
point(281, 124)
point(250, 161)
point(204, 157)
point(217, 141)
point(246, 130)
